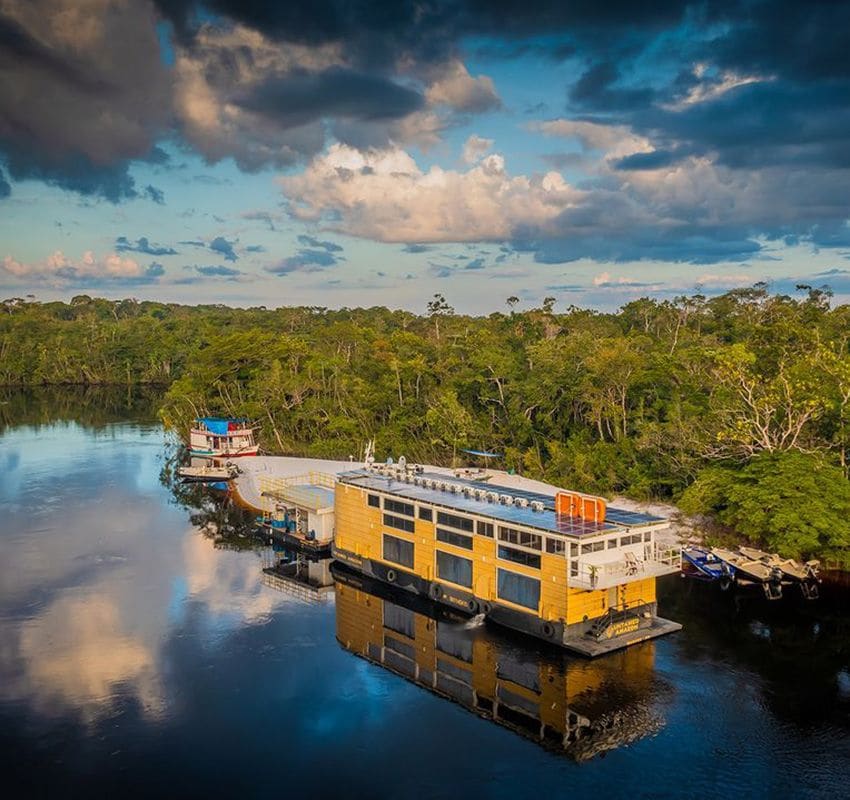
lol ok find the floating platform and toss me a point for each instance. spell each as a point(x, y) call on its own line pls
point(591, 648)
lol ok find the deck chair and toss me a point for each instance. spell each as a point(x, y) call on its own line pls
point(632, 563)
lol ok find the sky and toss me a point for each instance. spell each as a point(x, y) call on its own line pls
point(342, 153)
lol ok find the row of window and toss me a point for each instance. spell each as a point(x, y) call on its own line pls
point(515, 536)
point(511, 586)
point(633, 538)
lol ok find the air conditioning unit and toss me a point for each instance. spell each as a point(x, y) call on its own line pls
point(506, 500)
point(536, 505)
point(492, 497)
point(521, 502)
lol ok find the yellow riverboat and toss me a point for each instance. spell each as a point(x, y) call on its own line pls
point(563, 567)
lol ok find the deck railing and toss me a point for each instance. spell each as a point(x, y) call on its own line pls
point(272, 488)
point(648, 561)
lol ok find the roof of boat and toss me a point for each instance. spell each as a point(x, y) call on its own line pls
point(546, 520)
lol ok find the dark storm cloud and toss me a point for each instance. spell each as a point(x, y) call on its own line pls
point(5, 188)
point(221, 245)
point(303, 97)
point(79, 104)
point(417, 248)
point(377, 33)
point(305, 260)
point(596, 90)
point(142, 245)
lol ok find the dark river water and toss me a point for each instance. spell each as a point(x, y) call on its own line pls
point(145, 652)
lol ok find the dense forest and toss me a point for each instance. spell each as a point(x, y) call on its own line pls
point(737, 406)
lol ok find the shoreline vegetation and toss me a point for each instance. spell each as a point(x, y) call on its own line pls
point(736, 407)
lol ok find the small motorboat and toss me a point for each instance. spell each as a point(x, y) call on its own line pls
point(753, 570)
point(208, 473)
point(703, 565)
point(805, 574)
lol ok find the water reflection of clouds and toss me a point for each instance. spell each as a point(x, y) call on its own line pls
point(98, 570)
point(226, 584)
point(79, 653)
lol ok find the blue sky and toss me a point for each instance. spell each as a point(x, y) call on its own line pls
point(357, 153)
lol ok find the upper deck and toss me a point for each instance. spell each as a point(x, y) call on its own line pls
point(470, 497)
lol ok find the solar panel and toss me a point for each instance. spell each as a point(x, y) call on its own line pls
point(546, 520)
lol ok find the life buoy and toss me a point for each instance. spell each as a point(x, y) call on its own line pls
point(391, 576)
point(548, 630)
point(436, 591)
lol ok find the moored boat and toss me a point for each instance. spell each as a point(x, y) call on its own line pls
point(208, 474)
point(697, 562)
point(563, 567)
point(752, 570)
point(804, 574)
point(218, 437)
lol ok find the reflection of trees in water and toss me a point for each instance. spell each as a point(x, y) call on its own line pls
point(88, 406)
point(212, 511)
point(799, 649)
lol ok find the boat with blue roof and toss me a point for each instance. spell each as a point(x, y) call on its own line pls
point(222, 437)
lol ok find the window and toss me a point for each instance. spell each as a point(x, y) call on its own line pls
point(633, 539)
point(573, 550)
point(400, 523)
point(399, 619)
point(556, 546)
point(454, 569)
point(398, 551)
point(453, 521)
point(523, 538)
point(485, 528)
point(398, 508)
point(519, 589)
point(592, 547)
point(374, 501)
point(426, 514)
point(647, 537)
point(612, 543)
point(573, 569)
point(519, 557)
point(457, 539)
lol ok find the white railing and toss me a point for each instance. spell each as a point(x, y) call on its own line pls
point(646, 561)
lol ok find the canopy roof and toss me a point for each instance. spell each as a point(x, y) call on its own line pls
point(220, 425)
point(482, 453)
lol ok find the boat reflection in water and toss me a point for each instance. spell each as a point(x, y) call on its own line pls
point(582, 708)
point(298, 574)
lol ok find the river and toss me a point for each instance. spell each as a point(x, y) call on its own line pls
point(142, 653)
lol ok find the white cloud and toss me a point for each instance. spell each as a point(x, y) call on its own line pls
point(59, 268)
point(384, 195)
point(615, 141)
point(456, 88)
point(713, 85)
point(475, 148)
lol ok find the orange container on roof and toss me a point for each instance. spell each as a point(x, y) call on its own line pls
point(584, 506)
